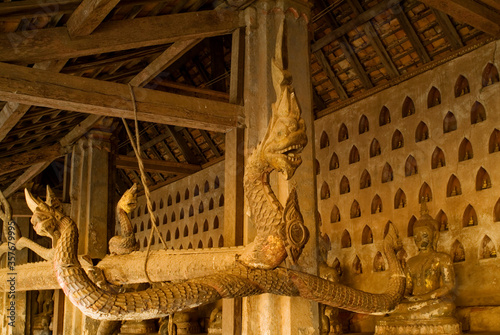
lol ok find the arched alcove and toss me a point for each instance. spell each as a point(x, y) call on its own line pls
point(387, 227)
point(135, 229)
point(149, 224)
point(186, 232)
point(442, 219)
point(422, 132)
point(334, 162)
point(487, 248)
point(411, 223)
point(335, 215)
point(216, 222)
point(454, 187)
point(205, 225)
point(216, 182)
point(434, 97)
point(411, 166)
point(145, 242)
point(343, 133)
point(490, 75)
point(397, 140)
point(181, 247)
point(161, 203)
point(325, 191)
point(483, 180)
point(366, 180)
point(496, 211)
point(177, 233)
point(153, 240)
point(195, 228)
point(181, 214)
point(425, 193)
point(364, 125)
point(220, 244)
point(375, 149)
point(177, 198)
point(384, 117)
point(470, 217)
point(165, 219)
point(206, 188)
point(142, 226)
point(438, 159)
point(345, 241)
point(153, 206)
point(477, 113)
point(367, 236)
point(210, 243)
point(449, 123)
point(196, 191)
point(387, 174)
point(168, 237)
point(399, 199)
point(457, 252)
point(201, 207)
point(408, 107)
point(317, 168)
point(324, 141)
point(145, 210)
point(344, 185)
point(186, 194)
point(211, 204)
point(376, 206)
point(357, 267)
point(190, 246)
point(336, 265)
point(191, 211)
point(494, 143)
point(465, 150)
point(355, 210)
point(461, 86)
point(353, 155)
point(200, 244)
point(169, 200)
point(378, 262)
point(221, 200)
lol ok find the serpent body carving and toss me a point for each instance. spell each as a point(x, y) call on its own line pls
point(280, 232)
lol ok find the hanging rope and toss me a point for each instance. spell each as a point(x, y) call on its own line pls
point(147, 193)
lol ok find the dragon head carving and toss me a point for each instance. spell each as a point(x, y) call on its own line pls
point(46, 215)
point(286, 135)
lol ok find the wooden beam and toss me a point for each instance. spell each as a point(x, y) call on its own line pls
point(154, 165)
point(88, 15)
point(353, 24)
point(320, 56)
point(112, 99)
point(448, 29)
point(191, 90)
point(33, 171)
point(495, 4)
point(237, 67)
point(55, 43)
point(186, 151)
point(411, 34)
point(26, 159)
point(167, 58)
point(471, 12)
point(210, 143)
point(12, 112)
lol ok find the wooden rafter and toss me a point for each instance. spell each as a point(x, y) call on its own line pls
point(448, 29)
point(113, 99)
point(55, 43)
point(88, 15)
point(156, 165)
point(210, 143)
point(320, 56)
point(471, 12)
point(411, 34)
point(186, 151)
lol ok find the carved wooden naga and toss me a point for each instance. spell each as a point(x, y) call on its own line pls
point(280, 233)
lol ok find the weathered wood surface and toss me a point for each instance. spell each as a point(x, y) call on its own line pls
point(44, 88)
point(24, 160)
point(88, 15)
point(56, 43)
point(163, 265)
point(155, 165)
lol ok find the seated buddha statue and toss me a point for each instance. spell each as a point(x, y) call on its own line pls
point(430, 279)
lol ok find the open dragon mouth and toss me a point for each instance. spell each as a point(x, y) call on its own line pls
point(292, 152)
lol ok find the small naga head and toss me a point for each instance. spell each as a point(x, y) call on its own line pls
point(128, 201)
point(286, 135)
point(45, 214)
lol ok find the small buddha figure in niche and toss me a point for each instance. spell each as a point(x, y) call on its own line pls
point(430, 278)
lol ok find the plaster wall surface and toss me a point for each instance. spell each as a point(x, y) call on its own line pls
point(358, 195)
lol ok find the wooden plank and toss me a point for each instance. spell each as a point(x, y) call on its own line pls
point(194, 145)
point(236, 80)
point(210, 143)
point(103, 98)
point(88, 15)
point(471, 12)
point(186, 151)
point(448, 29)
point(29, 174)
point(191, 90)
point(167, 58)
point(156, 165)
point(495, 4)
point(411, 34)
point(26, 159)
point(55, 43)
point(320, 56)
point(354, 23)
point(12, 112)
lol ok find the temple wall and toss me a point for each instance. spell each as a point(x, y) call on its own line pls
point(445, 151)
point(190, 212)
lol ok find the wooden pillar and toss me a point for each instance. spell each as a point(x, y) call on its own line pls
point(269, 314)
point(89, 208)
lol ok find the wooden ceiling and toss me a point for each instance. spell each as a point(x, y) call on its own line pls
point(180, 51)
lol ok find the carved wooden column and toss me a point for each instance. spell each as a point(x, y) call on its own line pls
point(89, 197)
point(269, 314)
